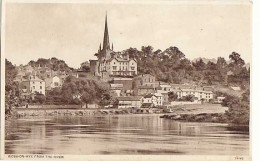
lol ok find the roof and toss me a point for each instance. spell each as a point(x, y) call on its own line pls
point(147, 105)
point(146, 87)
point(236, 88)
point(120, 78)
point(120, 60)
point(162, 83)
point(149, 95)
point(176, 90)
point(35, 78)
point(195, 90)
point(165, 85)
point(129, 98)
point(158, 95)
point(116, 85)
point(20, 79)
point(181, 86)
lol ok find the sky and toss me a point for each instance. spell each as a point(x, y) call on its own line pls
point(73, 32)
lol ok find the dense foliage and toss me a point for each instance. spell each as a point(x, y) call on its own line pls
point(11, 88)
point(239, 108)
point(172, 66)
point(53, 64)
point(80, 91)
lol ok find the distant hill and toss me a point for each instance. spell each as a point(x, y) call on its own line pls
point(205, 60)
point(52, 63)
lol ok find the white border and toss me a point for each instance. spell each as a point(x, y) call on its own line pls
point(254, 76)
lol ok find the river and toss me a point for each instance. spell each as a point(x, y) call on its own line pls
point(122, 134)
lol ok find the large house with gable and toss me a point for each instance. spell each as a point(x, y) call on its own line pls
point(111, 63)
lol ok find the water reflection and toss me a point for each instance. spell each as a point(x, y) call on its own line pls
point(125, 134)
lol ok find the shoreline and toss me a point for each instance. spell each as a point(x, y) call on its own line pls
point(33, 112)
point(206, 118)
point(61, 111)
point(197, 115)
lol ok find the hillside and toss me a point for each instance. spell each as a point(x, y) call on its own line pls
point(172, 66)
point(52, 63)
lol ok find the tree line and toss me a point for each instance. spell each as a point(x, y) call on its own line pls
point(172, 66)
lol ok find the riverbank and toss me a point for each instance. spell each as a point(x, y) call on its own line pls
point(186, 109)
point(82, 112)
point(206, 117)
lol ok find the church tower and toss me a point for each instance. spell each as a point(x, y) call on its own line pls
point(106, 44)
point(105, 51)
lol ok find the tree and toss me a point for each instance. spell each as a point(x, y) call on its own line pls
point(39, 98)
point(174, 53)
point(85, 66)
point(12, 93)
point(238, 108)
point(172, 96)
point(91, 91)
point(211, 66)
point(221, 63)
point(132, 52)
point(188, 98)
point(199, 65)
point(236, 62)
point(147, 51)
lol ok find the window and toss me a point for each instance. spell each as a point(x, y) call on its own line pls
point(40, 87)
point(114, 67)
point(56, 84)
point(132, 68)
point(114, 62)
point(33, 87)
point(33, 82)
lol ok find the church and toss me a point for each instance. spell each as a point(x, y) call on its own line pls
point(111, 63)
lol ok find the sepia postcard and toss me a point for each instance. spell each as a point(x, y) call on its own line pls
point(126, 80)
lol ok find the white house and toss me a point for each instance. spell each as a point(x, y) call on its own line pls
point(198, 94)
point(119, 66)
point(160, 99)
point(36, 85)
point(155, 99)
point(54, 82)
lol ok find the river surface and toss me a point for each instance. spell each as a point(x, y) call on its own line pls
point(122, 134)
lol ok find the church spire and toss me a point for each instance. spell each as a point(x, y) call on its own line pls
point(106, 36)
point(99, 47)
